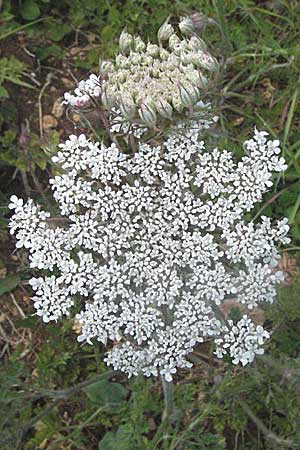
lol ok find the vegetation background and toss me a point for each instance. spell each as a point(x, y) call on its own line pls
point(45, 402)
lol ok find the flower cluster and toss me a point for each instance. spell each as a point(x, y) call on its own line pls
point(148, 84)
point(147, 247)
point(242, 341)
point(86, 91)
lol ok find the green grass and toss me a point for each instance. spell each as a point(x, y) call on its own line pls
point(218, 407)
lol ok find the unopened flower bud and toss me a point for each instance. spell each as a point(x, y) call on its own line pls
point(122, 62)
point(121, 76)
point(152, 49)
point(148, 115)
point(163, 54)
point(127, 107)
point(186, 57)
point(185, 45)
point(105, 67)
point(139, 44)
point(174, 60)
point(205, 61)
point(188, 94)
point(186, 26)
point(176, 102)
point(165, 31)
point(164, 109)
point(203, 81)
point(196, 43)
point(200, 21)
point(154, 72)
point(197, 78)
point(174, 42)
point(125, 42)
point(147, 60)
point(135, 58)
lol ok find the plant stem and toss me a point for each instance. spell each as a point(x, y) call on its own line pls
point(65, 393)
point(25, 182)
point(269, 434)
point(168, 390)
point(220, 10)
point(166, 418)
point(22, 27)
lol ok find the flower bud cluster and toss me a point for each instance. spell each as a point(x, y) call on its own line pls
point(149, 83)
point(153, 244)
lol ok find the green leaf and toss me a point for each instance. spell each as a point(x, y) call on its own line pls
point(3, 92)
point(106, 393)
point(19, 82)
point(30, 10)
point(46, 52)
point(120, 440)
point(57, 30)
point(28, 322)
point(8, 283)
point(107, 33)
point(8, 138)
point(108, 442)
point(6, 16)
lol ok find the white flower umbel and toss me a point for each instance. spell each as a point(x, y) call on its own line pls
point(147, 246)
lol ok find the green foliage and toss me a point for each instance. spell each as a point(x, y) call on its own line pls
point(121, 439)
point(8, 283)
point(29, 10)
point(29, 158)
point(11, 70)
point(14, 409)
point(105, 393)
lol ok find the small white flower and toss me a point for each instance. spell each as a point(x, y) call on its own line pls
point(15, 202)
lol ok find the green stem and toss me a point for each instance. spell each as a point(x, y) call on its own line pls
point(22, 27)
point(220, 11)
point(168, 390)
point(168, 412)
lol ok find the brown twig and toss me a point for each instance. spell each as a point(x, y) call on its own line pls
point(283, 115)
point(42, 91)
point(40, 189)
point(132, 144)
point(25, 182)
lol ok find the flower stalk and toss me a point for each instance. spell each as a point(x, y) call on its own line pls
point(169, 403)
